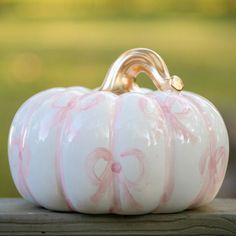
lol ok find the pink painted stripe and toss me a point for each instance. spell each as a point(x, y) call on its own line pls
point(64, 118)
point(211, 157)
point(175, 126)
point(20, 142)
point(62, 121)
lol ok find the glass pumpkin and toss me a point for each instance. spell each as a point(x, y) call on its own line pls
point(120, 148)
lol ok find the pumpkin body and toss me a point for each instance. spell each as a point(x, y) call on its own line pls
point(96, 152)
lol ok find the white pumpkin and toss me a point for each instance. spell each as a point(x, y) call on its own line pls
point(119, 149)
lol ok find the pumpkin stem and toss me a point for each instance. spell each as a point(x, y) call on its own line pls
point(121, 76)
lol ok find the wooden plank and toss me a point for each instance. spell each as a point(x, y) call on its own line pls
point(18, 217)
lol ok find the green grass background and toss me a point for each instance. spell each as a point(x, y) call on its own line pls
point(46, 44)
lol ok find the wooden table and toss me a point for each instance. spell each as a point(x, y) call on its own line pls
point(18, 217)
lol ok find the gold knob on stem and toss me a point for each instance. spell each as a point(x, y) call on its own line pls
point(176, 82)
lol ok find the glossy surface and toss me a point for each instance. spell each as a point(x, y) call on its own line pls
point(96, 152)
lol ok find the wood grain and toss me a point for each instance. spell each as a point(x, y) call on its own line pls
point(18, 217)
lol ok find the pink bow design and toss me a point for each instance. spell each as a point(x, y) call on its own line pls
point(213, 174)
point(175, 116)
point(61, 111)
point(113, 178)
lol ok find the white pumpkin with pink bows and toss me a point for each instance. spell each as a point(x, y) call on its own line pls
point(120, 148)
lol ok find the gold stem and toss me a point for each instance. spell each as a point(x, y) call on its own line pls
point(121, 76)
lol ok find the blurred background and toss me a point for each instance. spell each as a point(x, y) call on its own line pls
point(46, 44)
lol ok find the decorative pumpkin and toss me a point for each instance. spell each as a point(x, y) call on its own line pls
point(120, 148)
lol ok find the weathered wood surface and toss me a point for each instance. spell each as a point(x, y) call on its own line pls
point(18, 217)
